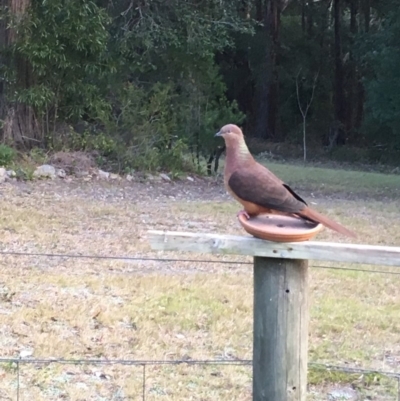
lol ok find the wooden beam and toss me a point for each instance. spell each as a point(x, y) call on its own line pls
point(280, 336)
point(247, 245)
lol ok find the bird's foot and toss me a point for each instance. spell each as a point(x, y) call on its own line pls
point(243, 213)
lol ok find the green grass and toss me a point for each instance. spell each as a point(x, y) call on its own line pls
point(330, 181)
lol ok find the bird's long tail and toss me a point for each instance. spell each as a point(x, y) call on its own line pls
point(313, 215)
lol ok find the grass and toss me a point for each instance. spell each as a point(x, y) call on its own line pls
point(83, 308)
point(330, 181)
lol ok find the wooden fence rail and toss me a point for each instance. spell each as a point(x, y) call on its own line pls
point(280, 332)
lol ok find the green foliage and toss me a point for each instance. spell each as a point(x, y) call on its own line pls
point(303, 58)
point(7, 155)
point(380, 53)
point(90, 140)
point(150, 81)
point(141, 78)
point(24, 172)
point(38, 155)
point(143, 131)
point(10, 367)
point(349, 154)
point(161, 32)
point(65, 44)
point(203, 109)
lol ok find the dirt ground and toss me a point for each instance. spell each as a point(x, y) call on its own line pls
point(66, 307)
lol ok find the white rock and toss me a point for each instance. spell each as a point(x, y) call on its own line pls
point(102, 375)
point(3, 174)
point(45, 171)
point(61, 173)
point(190, 178)
point(25, 353)
point(11, 173)
point(103, 175)
point(343, 393)
point(165, 177)
point(115, 177)
point(129, 178)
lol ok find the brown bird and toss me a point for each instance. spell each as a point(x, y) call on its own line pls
point(258, 189)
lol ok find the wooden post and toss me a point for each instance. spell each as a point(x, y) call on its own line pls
point(280, 329)
point(218, 244)
point(280, 298)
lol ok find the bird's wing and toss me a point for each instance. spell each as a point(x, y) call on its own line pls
point(258, 185)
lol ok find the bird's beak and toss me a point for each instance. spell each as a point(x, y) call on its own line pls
point(218, 134)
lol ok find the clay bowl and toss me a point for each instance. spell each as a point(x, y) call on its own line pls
point(276, 228)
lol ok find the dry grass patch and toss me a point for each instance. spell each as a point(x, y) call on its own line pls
point(157, 317)
point(82, 308)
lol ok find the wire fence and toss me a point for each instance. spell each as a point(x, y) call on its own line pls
point(150, 259)
point(17, 363)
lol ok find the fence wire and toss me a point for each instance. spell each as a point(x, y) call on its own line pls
point(145, 363)
point(214, 362)
point(166, 260)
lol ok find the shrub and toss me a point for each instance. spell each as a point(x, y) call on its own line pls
point(7, 155)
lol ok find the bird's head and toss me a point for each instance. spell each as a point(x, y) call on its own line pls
point(230, 132)
point(234, 141)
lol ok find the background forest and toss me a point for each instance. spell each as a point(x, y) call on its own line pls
point(145, 83)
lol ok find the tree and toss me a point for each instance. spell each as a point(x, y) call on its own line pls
point(20, 125)
point(149, 79)
point(380, 53)
point(267, 82)
point(339, 94)
point(304, 109)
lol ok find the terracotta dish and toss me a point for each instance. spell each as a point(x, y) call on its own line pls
point(277, 228)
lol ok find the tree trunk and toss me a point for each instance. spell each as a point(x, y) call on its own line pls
point(339, 98)
point(261, 105)
point(20, 126)
point(274, 22)
point(367, 14)
point(353, 77)
point(360, 99)
point(259, 10)
point(268, 83)
point(3, 30)
point(310, 18)
point(261, 83)
point(267, 86)
point(360, 91)
point(324, 27)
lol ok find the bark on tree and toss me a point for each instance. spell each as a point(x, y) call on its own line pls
point(268, 85)
point(353, 76)
point(367, 14)
point(261, 85)
point(3, 31)
point(310, 18)
point(20, 125)
point(339, 96)
point(324, 27)
point(360, 91)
